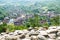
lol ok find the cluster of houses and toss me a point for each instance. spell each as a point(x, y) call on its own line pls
point(16, 21)
point(19, 20)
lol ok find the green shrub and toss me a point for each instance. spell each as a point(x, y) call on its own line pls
point(11, 27)
point(3, 27)
point(21, 27)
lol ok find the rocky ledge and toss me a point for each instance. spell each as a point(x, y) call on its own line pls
point(52, 33)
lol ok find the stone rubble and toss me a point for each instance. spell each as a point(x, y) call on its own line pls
point(52, 33)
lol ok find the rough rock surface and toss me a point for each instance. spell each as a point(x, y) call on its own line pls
point(52, 33)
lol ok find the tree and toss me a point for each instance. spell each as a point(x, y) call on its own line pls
point(2, 13)
point(33, 22)
point(55, 21)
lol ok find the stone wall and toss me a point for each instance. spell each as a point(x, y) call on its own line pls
point(52, 33)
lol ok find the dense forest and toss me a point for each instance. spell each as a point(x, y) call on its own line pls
point(14, 8)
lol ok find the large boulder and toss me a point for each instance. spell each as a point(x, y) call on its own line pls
point(26, 39)
point(40, 37)
point(25, 31)
point(58, 33)
point(30, 28)
point(2, 37)
point(52, 31)
point(58, 38)
point(43, 33)
point(34, 38)
point(52, 36)
point(11, 33)
point(58, 28)
point(51, 39)
point(31, 32)
point(52, 27)
point(11, 38)
point(18, 32)
point(42, 28)
point(22, 36)
point(2, 34)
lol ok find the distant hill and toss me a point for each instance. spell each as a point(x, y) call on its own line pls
point(15, 7)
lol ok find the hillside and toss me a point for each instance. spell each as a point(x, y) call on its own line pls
point(14, 8)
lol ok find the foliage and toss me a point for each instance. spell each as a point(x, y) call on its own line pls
point(3, 27)
point(34, 7)
point(3, 13)
point(55, 21)
point(31, 22)
point(11, 27)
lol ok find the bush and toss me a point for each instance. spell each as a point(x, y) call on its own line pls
point(21, 27)
point(3, 27)
point(11, 27)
